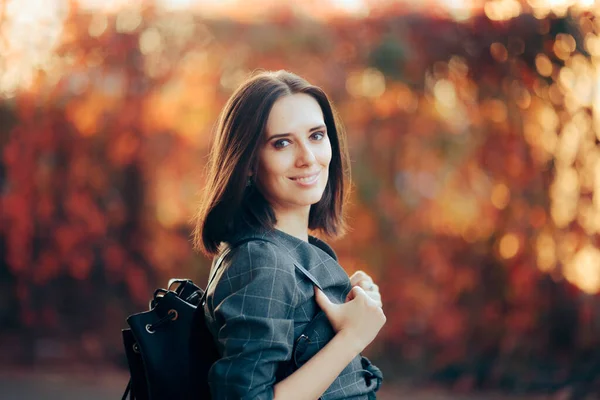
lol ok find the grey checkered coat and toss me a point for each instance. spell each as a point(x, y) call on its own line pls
point(262, 311)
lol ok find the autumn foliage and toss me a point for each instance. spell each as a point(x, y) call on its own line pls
point(475, 165)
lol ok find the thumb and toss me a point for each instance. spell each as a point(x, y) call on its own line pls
point(355, 291)
point(322, 300)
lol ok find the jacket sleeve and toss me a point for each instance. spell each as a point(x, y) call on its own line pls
point(254, 304)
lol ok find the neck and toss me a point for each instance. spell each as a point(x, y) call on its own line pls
point(293, 222)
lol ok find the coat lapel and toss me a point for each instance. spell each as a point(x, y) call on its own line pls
point(297, 249)
point(318, 262)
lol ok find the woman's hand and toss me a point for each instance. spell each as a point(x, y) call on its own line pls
point(359, 319)
point(360, 278)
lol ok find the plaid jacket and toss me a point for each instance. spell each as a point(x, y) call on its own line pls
point(262, 312)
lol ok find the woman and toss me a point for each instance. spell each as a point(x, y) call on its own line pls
point(288, 321)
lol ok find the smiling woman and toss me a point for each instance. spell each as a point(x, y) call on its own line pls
point(275, 132)
point(288, 321)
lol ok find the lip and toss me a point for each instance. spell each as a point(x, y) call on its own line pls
point(307, 179)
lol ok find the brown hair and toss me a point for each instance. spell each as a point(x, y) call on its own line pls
point(228, 204)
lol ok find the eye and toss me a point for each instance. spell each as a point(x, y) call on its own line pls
point(281, 143)
point(318, 135)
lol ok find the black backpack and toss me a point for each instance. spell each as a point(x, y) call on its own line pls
point(169, 348)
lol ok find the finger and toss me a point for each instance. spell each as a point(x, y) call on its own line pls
point(367, 285)
point(359, 276)
point(357, 292)
point(371, 298)
point(376, 297)
point(352, 293)
point(322, 299)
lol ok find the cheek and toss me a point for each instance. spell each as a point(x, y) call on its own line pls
point(325, 155)
point(272, 167)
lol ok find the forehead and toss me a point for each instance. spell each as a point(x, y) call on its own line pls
point(294, 113)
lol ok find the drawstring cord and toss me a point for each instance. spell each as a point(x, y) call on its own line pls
point(171, 316)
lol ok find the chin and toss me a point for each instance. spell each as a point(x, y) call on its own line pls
point(310, 200)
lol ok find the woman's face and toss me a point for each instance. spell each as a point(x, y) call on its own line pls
point(293, 165)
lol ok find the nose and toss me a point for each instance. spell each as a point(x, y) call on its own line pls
point(305, 155)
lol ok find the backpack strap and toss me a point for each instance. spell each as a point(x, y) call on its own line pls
point(225, 252)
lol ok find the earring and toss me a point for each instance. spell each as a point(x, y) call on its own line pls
point(249, 182)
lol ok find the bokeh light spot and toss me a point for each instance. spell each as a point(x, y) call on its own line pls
point(499, 52)
point(584, 270)
point(543, 65)
point(500, 196)
point(509, 246)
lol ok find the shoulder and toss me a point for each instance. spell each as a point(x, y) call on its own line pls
point(322, 245)
point(257, 273)
point(259, 256)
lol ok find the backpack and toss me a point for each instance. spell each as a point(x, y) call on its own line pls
point(169, 348)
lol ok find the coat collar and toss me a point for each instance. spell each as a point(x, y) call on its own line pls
point(314, 259)
point(305, 255)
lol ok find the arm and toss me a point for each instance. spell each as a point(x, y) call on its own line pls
point(356, 322)
point(254, 305)
point(312, 379)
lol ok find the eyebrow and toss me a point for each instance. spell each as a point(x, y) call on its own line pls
point(282, 135)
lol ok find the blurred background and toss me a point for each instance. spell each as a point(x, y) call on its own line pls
point(473, 128)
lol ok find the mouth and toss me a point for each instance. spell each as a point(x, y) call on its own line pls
point(306, 179)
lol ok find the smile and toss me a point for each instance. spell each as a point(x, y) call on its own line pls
point(307, 180)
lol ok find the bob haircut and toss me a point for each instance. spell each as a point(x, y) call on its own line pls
point(228, 203)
